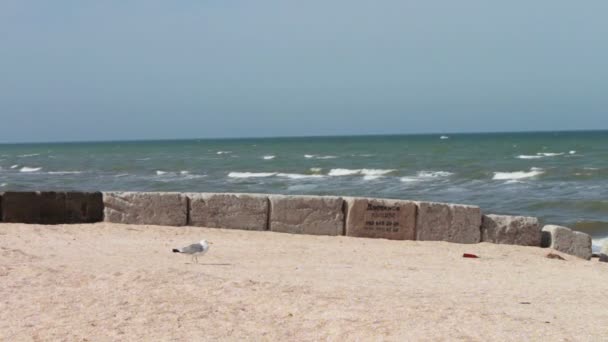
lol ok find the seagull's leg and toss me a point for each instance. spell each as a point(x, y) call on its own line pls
point(196, 258)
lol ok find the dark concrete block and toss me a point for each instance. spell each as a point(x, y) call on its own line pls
point(83, 207)
point(21, 207)
point(52, 207)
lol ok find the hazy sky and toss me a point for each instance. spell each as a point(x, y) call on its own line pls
point(99, 70)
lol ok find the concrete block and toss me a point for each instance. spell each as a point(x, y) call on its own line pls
point(511, 230)
point(448, 222)
point(316, 215)
point(234, 211)
point(52, 207)
point(20, 207)
point(33, 207)
point(381, 218)
point(83, 207)
point(566, 240)
point(157, 208)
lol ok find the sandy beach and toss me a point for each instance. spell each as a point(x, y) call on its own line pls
point(108, 282)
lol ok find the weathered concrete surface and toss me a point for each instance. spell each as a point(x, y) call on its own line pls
point(235, 211)
point(83, 207)
point(157, 208)
point(33, 207)
point(381, 218)
point(511, 230)
point(566, 240)
point(448, 222)
point(314, 215)
point(604, 252)
point(22, 207)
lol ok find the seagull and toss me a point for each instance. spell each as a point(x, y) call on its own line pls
point(194, 250)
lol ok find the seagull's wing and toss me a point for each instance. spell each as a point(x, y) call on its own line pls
point(194, 248)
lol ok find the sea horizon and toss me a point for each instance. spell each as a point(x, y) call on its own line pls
point(264, 137)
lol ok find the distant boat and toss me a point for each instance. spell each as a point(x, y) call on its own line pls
point(443, 137)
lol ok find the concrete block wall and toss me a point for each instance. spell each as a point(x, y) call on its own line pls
point(317, 215)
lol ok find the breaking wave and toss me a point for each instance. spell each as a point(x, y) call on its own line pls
point(518, 174)
point(251, 174)
point(270, 157)
point(314, 156)
point(369, 173)
point(30, 169)
point(426, 175)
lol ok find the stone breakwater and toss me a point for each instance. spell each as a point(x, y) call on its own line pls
point(318, 215)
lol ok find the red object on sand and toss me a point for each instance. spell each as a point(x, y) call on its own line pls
point(468, 255)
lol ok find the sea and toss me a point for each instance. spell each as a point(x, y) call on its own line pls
point(559, 177)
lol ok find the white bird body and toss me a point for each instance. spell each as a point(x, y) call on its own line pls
point(195, 250)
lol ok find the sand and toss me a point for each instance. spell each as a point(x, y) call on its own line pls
point(107, 282)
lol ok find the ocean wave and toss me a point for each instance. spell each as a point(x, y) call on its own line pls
point(364, 172)
point(518, 174)
point(3, 185)
point(426, 176)
point(269, 157)
point(523, 156)
point(298, 176)
point(161, 173)
point(314, 156)
point(29, 155)
point(223, 152)
point(316, 169)
point(30, 169)
point(251, 174)
point(542, 155)
point(64, 172)
point(550, 154)
point(444, 137)
point(572, 152)
point(15, 166)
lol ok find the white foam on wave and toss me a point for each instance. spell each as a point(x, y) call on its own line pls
point(30, 169)
point(572, 152)
point(523, 156)
point(64, 172)
point(364, 172)
point(3, 185)
point(251, 174)
point(121, 175)
point(184, 172)
point(298, 176)
point(548, 154)
point(269, 157)
point(223, 152)
point(161, 173)
point(29, 155)
point(314, 156)
point(343, 172)
point(444, 137)
point(434, 174)
point(15, 166)
point(426, 176)
point(316, 169)
point(518, 174)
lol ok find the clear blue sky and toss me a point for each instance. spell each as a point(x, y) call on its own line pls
point(99, 70)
